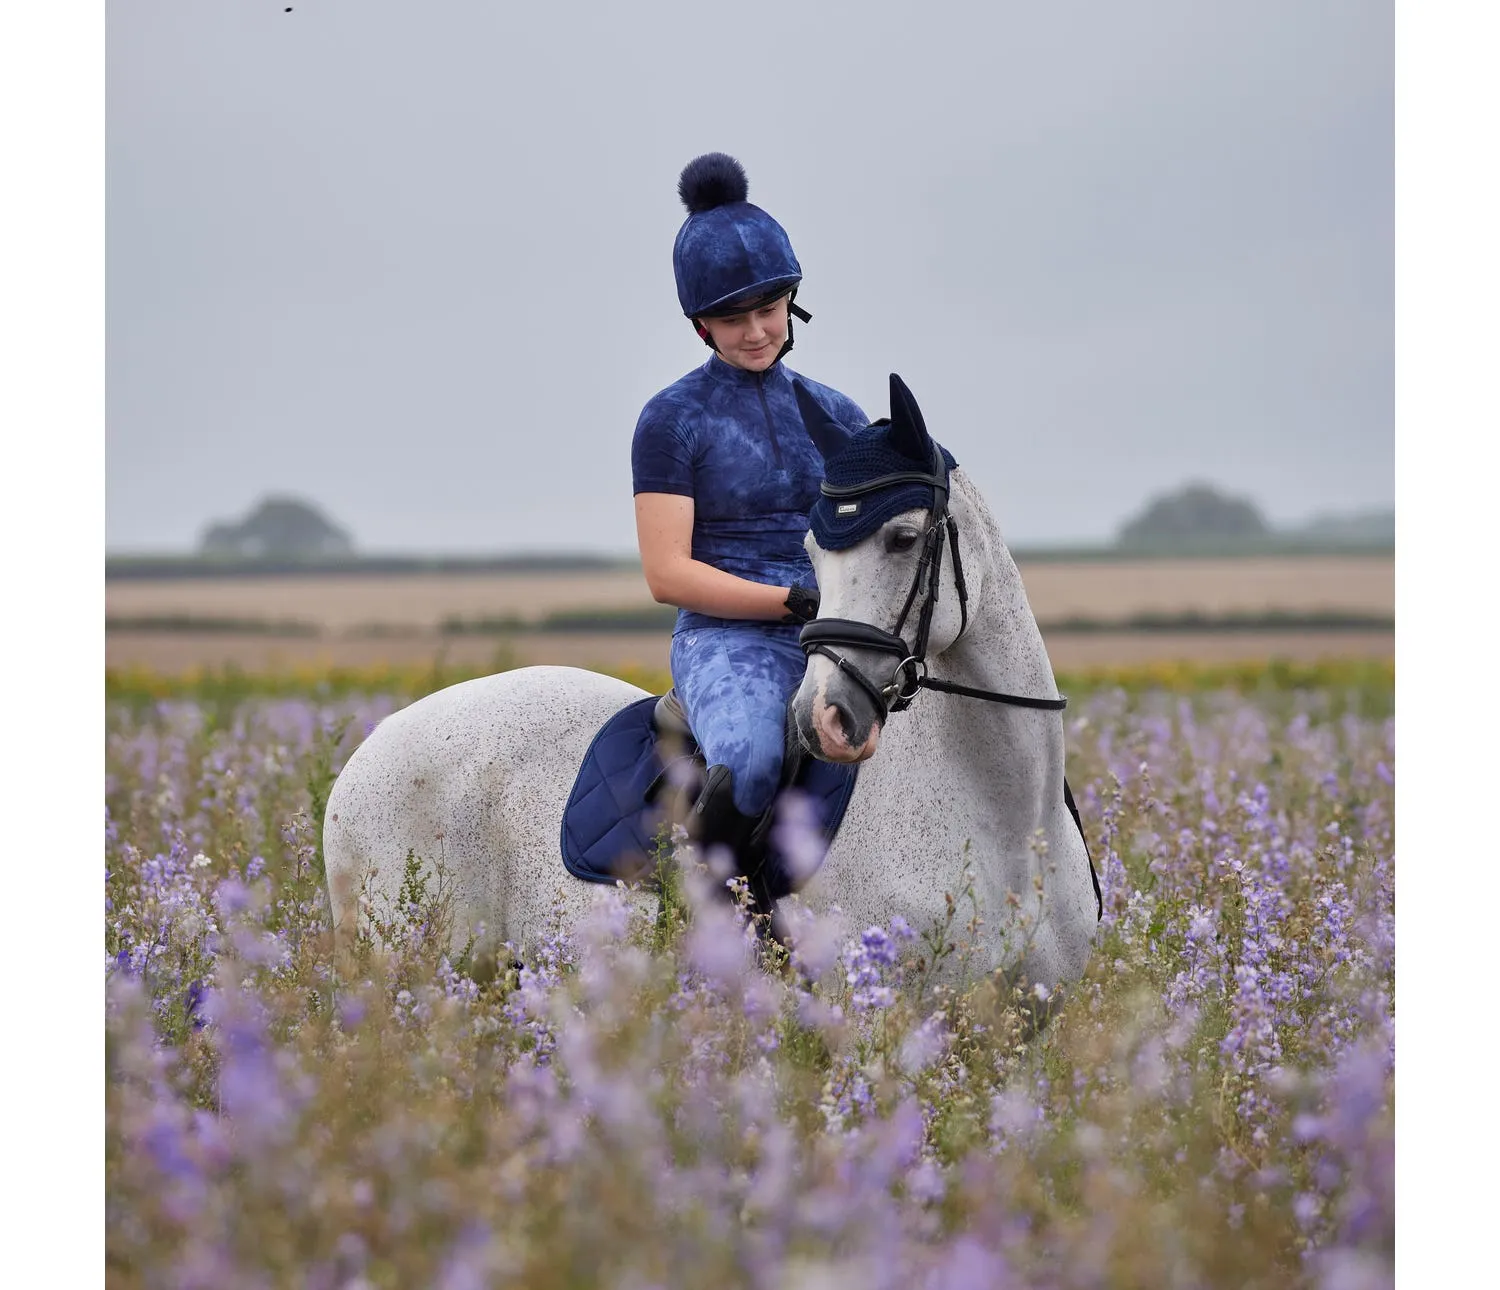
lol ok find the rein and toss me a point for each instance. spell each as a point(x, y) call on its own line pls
point(910, 676)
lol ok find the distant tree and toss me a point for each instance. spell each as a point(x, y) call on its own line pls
point(1195, 515)
point(279, 527)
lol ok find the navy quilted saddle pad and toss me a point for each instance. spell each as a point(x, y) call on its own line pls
point(609, 827)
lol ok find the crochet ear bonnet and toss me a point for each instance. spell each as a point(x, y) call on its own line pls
point(894, 445)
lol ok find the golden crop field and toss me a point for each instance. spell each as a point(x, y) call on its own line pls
point(1103, 589)
point(353, 602)
point(363, 620)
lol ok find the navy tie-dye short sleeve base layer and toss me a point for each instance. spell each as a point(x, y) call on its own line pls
point(735, 443)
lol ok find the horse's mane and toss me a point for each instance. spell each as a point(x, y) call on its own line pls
point(1022, 652)
point(983, 532)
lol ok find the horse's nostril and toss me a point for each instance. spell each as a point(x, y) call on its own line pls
point(830, 726)
point(846, 722)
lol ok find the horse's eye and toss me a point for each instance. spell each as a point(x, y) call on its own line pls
point(901, 539)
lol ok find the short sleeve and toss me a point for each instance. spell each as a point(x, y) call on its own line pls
point(661, 454)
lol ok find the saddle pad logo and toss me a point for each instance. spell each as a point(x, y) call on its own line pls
point(848, 508)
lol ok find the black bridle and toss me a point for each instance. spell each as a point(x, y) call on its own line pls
point(910, 676)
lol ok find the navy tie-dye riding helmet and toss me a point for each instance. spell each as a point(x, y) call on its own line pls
point(729, 253)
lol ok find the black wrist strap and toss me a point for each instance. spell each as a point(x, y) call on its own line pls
point(801, 604)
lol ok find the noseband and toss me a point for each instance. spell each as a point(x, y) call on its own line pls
point(910, 676)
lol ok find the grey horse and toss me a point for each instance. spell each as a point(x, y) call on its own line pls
point(954, 791)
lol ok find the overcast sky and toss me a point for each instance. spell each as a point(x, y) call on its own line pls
point(413, 260)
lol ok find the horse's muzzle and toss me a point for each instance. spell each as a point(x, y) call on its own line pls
point(832, 731)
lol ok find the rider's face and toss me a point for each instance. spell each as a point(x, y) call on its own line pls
point(753, 339)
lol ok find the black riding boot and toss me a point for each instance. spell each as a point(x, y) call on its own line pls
point(717, 821)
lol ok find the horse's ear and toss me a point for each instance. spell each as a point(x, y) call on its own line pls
point(826, 433)
point(909, 434)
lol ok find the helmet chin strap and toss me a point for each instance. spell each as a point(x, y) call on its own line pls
point(793, 310)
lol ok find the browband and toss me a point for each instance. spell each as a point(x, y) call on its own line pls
point(885, 481)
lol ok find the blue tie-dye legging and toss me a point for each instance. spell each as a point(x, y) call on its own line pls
point(734, 682)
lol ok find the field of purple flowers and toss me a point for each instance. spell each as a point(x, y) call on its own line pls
point(647, 1104)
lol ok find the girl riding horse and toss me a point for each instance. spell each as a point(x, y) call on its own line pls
point(725, 475)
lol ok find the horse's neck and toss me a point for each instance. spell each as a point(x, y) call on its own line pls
point(966, 780)
point(1002, 648)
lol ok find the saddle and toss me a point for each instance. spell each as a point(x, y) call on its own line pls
point(643, 769)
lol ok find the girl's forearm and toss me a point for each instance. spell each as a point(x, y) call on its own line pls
point(694, 585)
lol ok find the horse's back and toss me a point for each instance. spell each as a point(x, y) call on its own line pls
point(472, 781)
